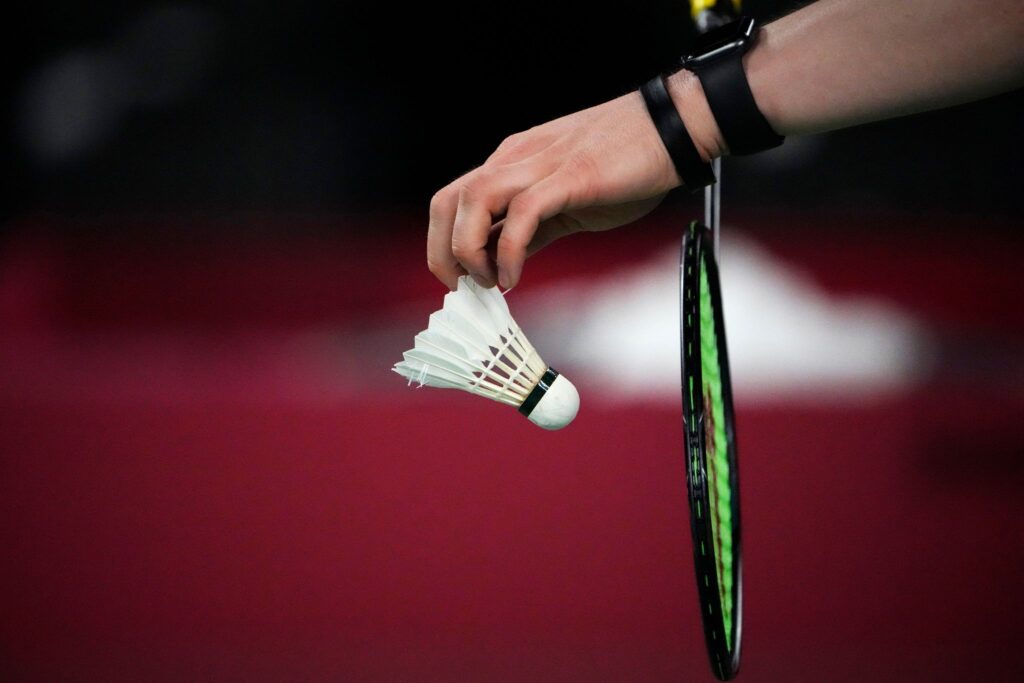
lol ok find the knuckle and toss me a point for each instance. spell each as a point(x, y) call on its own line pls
point(461, 251)
point(478, 191)
point(434, 266)
point(523, 204)
point(468, 191)
point(438, 201)
point(510, 245)
point(512, 142)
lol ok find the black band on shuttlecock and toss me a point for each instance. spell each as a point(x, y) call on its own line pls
point(534, 397)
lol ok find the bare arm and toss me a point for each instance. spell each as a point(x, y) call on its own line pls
point(839, 63)
point(832, 64)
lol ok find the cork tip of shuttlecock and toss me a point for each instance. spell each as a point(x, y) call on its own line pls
point(558, 406)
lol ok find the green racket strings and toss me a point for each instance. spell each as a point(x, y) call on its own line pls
point(717, 449)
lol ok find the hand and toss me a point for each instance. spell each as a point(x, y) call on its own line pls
point(596, 169)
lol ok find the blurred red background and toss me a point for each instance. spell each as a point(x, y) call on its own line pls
point(212, 252)
point(207, 471)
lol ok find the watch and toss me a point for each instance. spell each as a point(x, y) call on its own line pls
point(718, 63)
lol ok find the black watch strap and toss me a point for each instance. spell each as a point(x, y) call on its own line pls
point(744, 128)
point(693, 171)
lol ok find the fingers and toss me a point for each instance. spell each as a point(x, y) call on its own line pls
point(601, 167)
point(462, 217)
point(440, 260)
point(472, 225)
point(526, 212)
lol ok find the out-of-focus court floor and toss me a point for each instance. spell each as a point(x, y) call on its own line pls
point(207, 472)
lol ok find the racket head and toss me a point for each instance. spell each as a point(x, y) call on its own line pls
point(710, 450)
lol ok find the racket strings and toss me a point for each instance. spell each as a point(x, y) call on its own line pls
point(711, 473)
point(717, 455)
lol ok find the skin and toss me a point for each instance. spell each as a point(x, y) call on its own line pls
point(832, 64)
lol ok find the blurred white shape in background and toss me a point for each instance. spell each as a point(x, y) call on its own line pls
point(76, 102)
point(788, 338)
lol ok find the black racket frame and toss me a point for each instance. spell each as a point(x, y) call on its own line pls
point(697, 244)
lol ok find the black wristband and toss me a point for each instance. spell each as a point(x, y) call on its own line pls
point(744, 128)
point(693, 171)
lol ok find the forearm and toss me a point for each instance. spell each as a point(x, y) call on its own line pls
point(832, 64)
point(838, 63)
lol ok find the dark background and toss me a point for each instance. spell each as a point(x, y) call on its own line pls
point(321, 107)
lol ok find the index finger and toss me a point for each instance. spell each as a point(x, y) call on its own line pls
point(440, 260)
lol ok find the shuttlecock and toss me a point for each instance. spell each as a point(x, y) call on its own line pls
point(473, 344)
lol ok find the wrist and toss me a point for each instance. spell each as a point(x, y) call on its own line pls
point(756, 64)
point(688, 97)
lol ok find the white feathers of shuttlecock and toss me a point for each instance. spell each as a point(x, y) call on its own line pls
point(473, 344)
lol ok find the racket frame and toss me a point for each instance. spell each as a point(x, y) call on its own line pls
point(698, 245)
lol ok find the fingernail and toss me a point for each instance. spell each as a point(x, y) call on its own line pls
point(513, 277)
point(502, 278)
